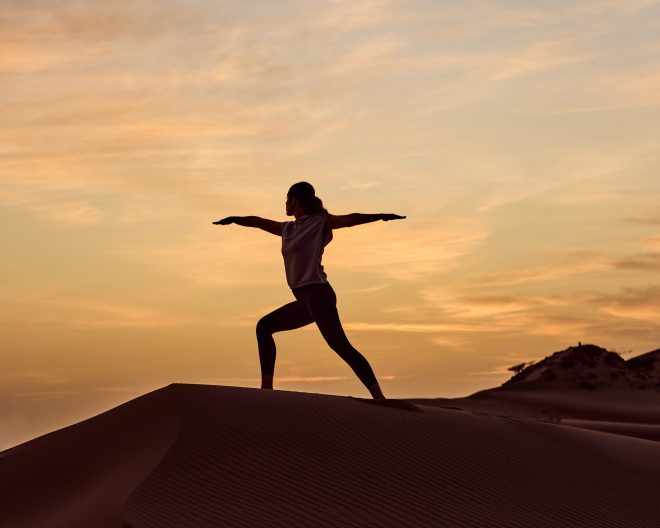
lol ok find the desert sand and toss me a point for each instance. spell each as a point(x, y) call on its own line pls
point(219, 456)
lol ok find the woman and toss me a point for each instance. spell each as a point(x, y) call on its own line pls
point(303, 241)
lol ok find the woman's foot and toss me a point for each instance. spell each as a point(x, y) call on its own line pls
point(376, 392)
point(267, 382)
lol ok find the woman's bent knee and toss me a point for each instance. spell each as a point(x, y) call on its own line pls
point(263, 328)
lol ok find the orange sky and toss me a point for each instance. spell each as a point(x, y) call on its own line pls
point(520, 141)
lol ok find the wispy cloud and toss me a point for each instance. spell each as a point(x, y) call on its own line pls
point(118, 118)
point(564, 182)
point(345, 15)
point(539, 56)
point(281, 379)
point(651, 220)
point(642, 304)
point(33, 376)
point(36, 395)
point(572, 316)
point(361, 185)
point(64, 207)
point(642, 262)
point(401, 253)
point(638, 86)
point(415, 328)
point(594, 7)
point(485, 306)
point(372, 57)
point(221, 256)
point(369, 289)
point(87, 313)
point(521, 315)
point(549, 272)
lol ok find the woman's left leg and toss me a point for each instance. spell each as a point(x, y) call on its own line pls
point(321, 301)
point(288, 317)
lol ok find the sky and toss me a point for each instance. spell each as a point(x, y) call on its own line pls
point(520, 140)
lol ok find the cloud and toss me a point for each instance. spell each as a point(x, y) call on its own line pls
point(175, 81)
point(641, 304)
point(651, 220)
point(567, 180)
point(453, 341)
point(220, 256)
point(539, 56)
point(579, 265)
point(158, 115)
point(415, 328)
point(505, 314)
point(469, 19)
point(372, 57)
point(403, 253)
point(33, 377)
point(569, 324)
point(368, 289)
point(639, 86)
point(485, 306)
point(345, 15)
point(641, 262)
point(520, 324)
point(86, 313)
point(73, 208)
point(36, 395)
point(241, 382)
point(361, 185)
point(39, 38)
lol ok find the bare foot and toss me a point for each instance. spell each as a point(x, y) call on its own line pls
point(376, 393)
point(267, 382)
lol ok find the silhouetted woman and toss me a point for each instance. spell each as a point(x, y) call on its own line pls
point(303, 241)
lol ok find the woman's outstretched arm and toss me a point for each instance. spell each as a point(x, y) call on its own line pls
point(270, 226)
point(353, 219)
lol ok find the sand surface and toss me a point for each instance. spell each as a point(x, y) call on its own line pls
point(212, 456)
point(627, 412)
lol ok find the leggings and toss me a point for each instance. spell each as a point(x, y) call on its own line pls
point(315, 303)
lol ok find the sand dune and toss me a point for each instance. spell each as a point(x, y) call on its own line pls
point(628, 412)
point(80, 476)
point(210, 456)
point(590, 367)
point(584, 386)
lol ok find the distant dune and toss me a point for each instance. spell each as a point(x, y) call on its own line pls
point(590, 367)
point(584, 386)
point(214, 456)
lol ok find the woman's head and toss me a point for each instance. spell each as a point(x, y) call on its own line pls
point(304, 194)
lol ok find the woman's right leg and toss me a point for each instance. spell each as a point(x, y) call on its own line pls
point(288, 317)
point(321, 302)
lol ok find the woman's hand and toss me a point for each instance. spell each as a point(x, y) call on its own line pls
point(390, 216)
point(226, 221)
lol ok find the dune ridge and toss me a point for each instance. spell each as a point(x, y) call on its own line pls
point(80, 476)
point(589, 367)
point(203, 456)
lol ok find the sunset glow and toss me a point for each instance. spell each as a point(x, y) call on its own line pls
point(519, 139)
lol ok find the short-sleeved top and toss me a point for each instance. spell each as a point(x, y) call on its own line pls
point(303, 241)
